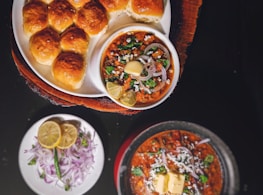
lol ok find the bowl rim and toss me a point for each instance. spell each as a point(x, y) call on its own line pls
point(107, 39)
point(231, 183)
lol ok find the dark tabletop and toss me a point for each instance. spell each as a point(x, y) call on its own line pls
point(220, 89)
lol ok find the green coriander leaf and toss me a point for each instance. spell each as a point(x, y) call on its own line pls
point(137, 171)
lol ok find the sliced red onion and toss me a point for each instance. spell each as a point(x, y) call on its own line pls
point(203, 141)
point(162, 47)
point(162, 84)
point(75, 162)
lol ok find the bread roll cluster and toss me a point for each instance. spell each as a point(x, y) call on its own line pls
point(59, 31)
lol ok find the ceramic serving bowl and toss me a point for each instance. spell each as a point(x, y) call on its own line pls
point(138, 66)
point(175, 157)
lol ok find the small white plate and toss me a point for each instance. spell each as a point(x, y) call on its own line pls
point(89, 87)
point(30, 174)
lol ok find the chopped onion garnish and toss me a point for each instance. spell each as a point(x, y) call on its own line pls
point(75, 162)
point(203, 141)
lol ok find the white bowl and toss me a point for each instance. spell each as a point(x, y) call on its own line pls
point(109, 37)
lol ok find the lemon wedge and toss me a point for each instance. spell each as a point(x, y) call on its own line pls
point(49, 134)
point(128, 98)
point(69, 135)
point(115, 90)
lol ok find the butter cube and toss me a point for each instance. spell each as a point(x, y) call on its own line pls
point(160, 183)
point(134, 68)
point(175, 183)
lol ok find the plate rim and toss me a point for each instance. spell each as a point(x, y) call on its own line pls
point(95, 172)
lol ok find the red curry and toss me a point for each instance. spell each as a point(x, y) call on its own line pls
point(191, 161)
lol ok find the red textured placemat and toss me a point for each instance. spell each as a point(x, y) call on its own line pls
point(184, 21)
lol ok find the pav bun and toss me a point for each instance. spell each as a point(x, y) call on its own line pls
point(74, 39)
point(78, 3)
point(69, 69)
point(61, 14)
point(45, 1)
point(34, 17)
point(146, 10)
point(92, 18)
point(114, 6)
point(44, 46)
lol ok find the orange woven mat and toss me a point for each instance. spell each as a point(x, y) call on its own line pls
point(184, 21)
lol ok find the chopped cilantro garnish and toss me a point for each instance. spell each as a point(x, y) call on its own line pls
point(132, 43)
point(42, 175)
point(67, 185)
point(109, 69)
point(150, 83)
point(164, 62)
point(186, 190)
point(203, 178)
point(187, 177)
point(161, 170)
point(208, 160)
point(32, 161)
point(137, 171)
point(84, 142)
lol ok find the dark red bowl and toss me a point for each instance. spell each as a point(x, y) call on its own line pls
point(227, 161)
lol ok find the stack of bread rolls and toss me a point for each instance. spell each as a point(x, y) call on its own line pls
point(59, 31)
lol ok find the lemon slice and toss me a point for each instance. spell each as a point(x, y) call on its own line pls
point(128, 98)
point(134, 67)
point(114, 89)
point(49, 134)
point(69, 134)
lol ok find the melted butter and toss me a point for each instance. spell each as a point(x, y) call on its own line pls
point(134, 68)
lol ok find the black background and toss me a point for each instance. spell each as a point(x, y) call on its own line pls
point(221, 89)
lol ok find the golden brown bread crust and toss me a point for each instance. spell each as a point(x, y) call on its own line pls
point(74, 39)
point(148, 7)
point(146, 10)
point(61, 14)
point(114, 5)
point(69, 70)
point(78, 3)
point(44, 46)
point(92, 18)
point(34, 17)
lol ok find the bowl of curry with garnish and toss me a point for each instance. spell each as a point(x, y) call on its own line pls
point(138, 66)
point(176, 158)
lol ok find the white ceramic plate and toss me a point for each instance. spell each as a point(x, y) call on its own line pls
point(30, 174)
point(89, 87)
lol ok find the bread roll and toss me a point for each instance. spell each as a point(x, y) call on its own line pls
point(146, 10)
point(44, 1)
point(92, 18)
point(113, 6)
point(34, 17)
point(47, 1)
point(78, 3)
point(44, 46)
point(69, 70)
point(74, 39)
point(61, 14)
